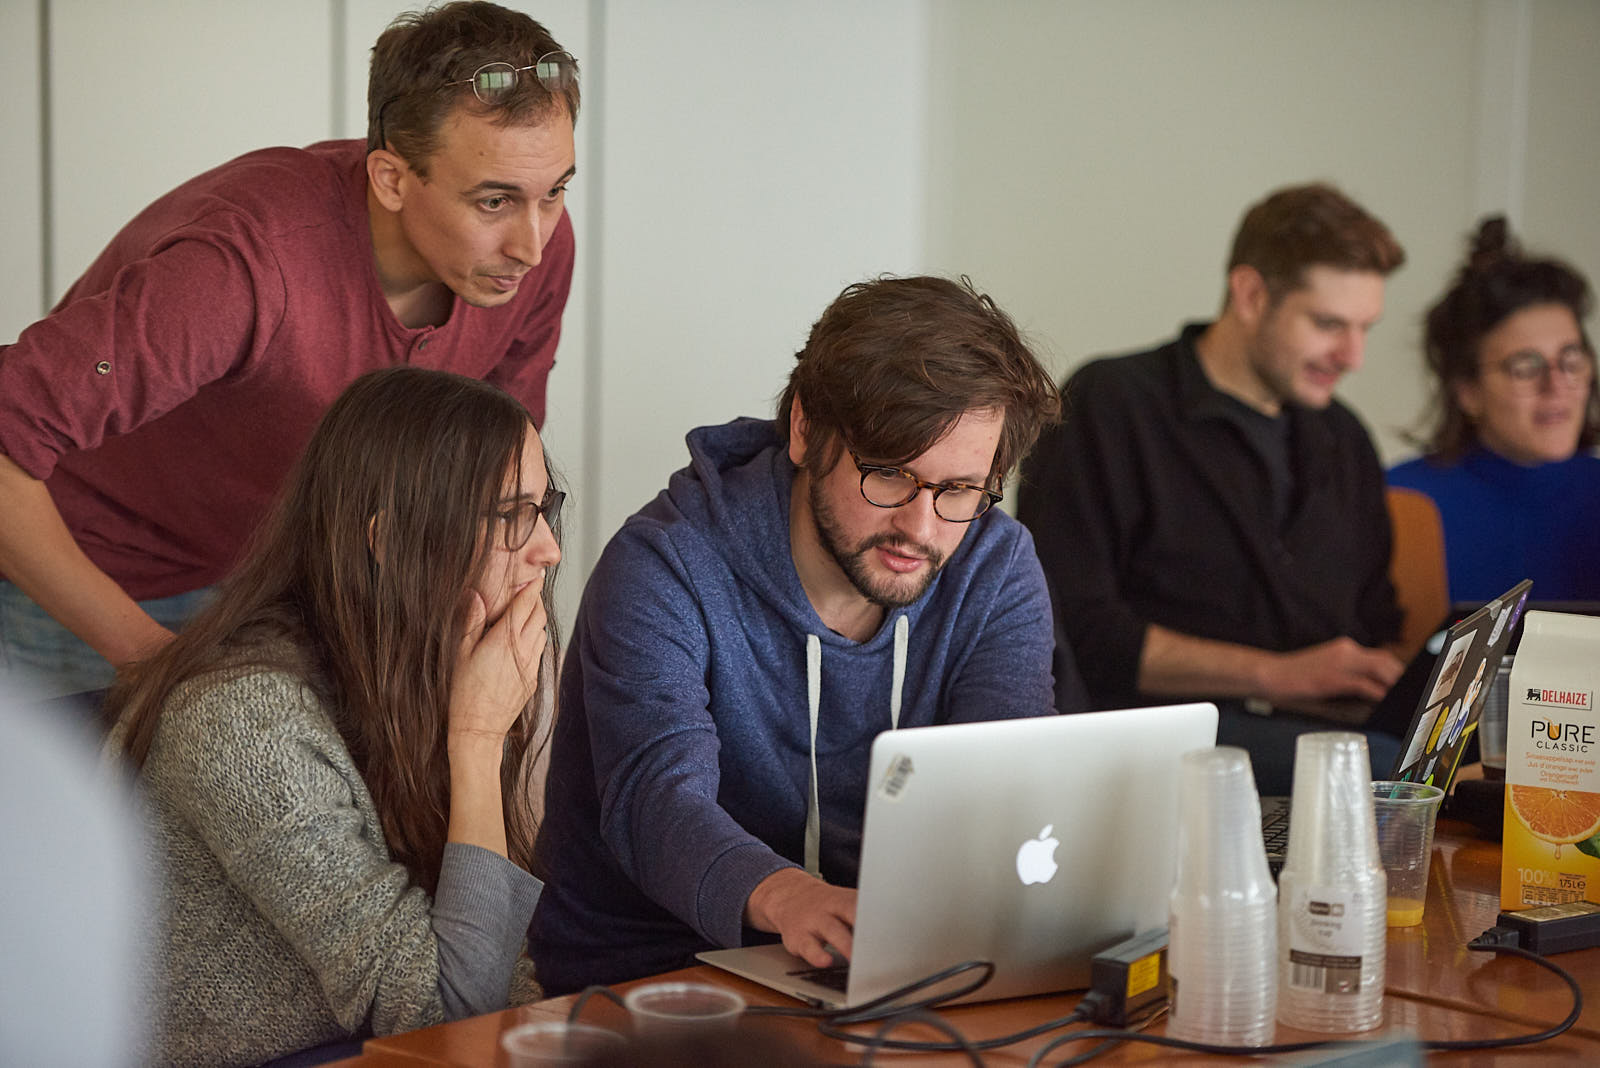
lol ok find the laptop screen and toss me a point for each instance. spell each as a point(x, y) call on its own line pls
point(1463, 672)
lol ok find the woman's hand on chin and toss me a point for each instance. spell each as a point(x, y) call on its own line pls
point(497, 667)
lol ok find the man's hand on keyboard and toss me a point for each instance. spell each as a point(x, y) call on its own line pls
point(810, 915)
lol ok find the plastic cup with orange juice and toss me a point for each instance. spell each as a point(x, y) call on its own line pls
point(1405, 814)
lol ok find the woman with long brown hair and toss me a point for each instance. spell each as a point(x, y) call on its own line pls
point(336, 754)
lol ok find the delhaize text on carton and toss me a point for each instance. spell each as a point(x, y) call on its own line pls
point(1552, 817)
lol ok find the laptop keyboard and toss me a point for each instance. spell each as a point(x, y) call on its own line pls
point(1275, 825)
point(835, 976)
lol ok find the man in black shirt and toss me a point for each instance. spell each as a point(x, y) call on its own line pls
point(1211, 519)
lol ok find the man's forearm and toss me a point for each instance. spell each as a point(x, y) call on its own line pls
point(39, 556)
point(1179, 664)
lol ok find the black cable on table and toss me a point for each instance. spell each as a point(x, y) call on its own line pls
point(1436, 1045)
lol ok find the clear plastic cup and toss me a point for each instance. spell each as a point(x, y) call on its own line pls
point(1492, 722)
point(1222, 934)
point(537, 1045)
point(670, 1007)
point(1332, 892)
point(1404, 813)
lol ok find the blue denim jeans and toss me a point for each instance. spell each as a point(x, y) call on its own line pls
point(50, 660)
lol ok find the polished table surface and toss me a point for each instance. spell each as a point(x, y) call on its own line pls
point(1436, 989)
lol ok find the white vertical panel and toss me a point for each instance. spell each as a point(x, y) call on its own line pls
point(22, 294)
point(1505, 29)
point(148, 95)
point(364, 21)
point(758, 157)
point(1561, 213)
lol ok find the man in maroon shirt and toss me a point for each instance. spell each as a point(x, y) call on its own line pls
point(146, 423)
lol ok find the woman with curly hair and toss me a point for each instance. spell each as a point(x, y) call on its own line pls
point(1515, 415)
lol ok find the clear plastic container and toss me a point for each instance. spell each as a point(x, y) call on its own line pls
point(1332, 892)
point(1492, 722)
point(1222, 936)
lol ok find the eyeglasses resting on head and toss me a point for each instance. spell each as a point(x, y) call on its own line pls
point(556, 71)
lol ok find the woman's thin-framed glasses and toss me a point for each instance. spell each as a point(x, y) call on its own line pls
point(519, 520)
point(1527, 369)
point(894, 487)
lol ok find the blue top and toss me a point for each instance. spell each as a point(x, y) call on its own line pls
point(1504, 522)
point(681, 760)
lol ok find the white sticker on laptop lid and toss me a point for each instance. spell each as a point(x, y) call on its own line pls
point(1500, 618)
point(895, 778)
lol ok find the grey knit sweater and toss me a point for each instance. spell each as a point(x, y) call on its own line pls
point(286, 923)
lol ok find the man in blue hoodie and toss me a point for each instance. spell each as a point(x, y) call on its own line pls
point(804, 584)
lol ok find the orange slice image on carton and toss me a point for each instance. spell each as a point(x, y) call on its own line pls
point(1559, 817)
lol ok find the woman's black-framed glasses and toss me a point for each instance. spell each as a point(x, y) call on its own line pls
point(518, 521)
point(892, 487)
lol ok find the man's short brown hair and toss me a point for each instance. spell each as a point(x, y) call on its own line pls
point(417, 61)
point(1312, 225)
point(894, 362)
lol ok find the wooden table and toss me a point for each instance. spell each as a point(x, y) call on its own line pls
point(1431, 964)
point(1436, 988)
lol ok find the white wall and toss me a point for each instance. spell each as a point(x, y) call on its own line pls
point(1085, 161)
point(1093, 168)
point(1561, 212)
point(21, 230)
point(758, 158)
point(147, 95)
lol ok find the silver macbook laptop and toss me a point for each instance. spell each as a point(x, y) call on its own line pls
point(1031, 843)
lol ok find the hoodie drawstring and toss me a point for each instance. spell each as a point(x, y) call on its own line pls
point(902, 636)
point(814, 803)
point(902, 639)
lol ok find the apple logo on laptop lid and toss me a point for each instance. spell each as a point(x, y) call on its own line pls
point(1036, 858)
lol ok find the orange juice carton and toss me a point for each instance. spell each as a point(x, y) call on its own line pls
point(1551, 851)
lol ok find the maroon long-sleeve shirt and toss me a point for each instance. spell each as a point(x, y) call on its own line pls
point(165, 398)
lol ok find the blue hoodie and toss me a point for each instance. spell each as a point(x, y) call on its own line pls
point(680, 769)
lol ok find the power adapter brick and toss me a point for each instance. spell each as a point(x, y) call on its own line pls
point(1553, 928)
point(1128, 982)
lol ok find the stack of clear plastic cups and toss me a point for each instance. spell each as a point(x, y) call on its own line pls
point(1332, 892)
point(1222, 938)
